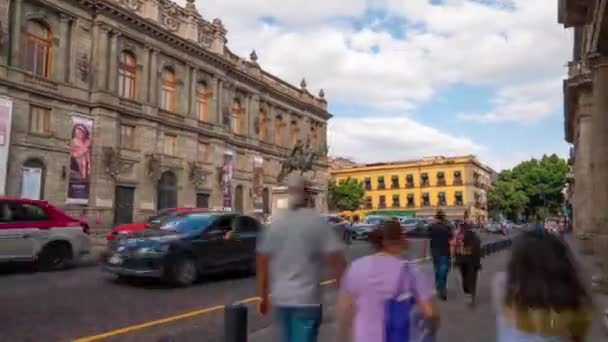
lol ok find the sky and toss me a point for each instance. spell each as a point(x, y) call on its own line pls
point(410, 79)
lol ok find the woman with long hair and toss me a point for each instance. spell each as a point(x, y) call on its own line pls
point(80, 150)
point(372, 280)
point(541, 296)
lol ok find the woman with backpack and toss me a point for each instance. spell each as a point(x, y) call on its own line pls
point(384, 298)
point(466, 248)
point(541, 298)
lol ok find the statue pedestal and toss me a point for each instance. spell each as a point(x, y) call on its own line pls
point(280, 198)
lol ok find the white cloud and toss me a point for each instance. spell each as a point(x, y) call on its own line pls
point(515, 46)
point(384, 138)
point(526, 103)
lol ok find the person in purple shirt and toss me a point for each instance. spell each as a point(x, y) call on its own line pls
point(371, 280)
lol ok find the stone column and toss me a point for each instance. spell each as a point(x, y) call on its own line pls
point(99, 60)
point(219, 100)
point(599, 170)
point(271, 119)
point(583, 204)
point(63, 63)
point(113, 63)
point(191, 110)
point(153, 84)
point(143, 82)
point(16, 32)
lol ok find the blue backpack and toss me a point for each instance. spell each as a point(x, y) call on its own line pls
point(402, 322)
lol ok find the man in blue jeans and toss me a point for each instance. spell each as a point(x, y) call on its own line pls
point(291, 254)
point(441, 235)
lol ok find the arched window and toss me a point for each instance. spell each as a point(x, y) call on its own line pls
point(263, 121)
point(237, 117)
point(202, 102)
point(38, 48)
point(32, 179)
point(168, 96)
point(127, 71)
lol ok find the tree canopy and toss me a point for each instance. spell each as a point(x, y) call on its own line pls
point(345, 195)
point(532, 188)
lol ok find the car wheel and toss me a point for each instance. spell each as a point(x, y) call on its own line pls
point(54, 256)
point(184, 272)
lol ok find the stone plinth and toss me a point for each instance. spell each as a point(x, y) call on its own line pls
point(280, 199)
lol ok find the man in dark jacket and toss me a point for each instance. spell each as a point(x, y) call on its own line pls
point(441, 235)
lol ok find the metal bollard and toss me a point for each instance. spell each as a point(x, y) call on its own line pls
point(235, 323)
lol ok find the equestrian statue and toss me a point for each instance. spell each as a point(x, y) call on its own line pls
point(301, 159)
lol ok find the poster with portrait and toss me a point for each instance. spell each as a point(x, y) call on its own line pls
point(31, 182)
point(81, 139)
point(227, 171)
point(6, 114)
point(258, 184)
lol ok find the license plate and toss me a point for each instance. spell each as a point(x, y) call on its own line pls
point(115, 260)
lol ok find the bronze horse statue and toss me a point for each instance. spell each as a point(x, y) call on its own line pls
point(299, 159)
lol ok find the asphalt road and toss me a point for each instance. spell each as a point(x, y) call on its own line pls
point(91, 305)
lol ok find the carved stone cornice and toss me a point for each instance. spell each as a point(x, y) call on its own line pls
point(115, 165)
point(197, 174)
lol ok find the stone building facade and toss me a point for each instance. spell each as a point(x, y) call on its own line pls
point(167, 98)
point(586, 125)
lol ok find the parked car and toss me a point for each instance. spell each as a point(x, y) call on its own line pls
point(362, 229)
point(36, 231)
point(127, 228)
point(416, 227)
point(182, 248)
point(341, 226)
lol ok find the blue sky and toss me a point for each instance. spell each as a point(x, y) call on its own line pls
point(416, 78)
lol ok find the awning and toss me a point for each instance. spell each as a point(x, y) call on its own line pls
point(409, 177)
point(410, 195)
point(440, 174)
point(441, 194)
point(394, 177)
point(395, 196)
point(425, 194)
point(458, 193)
point(424, 175)
point(457, 173)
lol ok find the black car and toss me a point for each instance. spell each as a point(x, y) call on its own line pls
point(182, 248)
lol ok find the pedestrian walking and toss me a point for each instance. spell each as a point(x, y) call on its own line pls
point(366, 306)
point(541, 296)
point(467, 255)
point(291, 253)
point(441, 235)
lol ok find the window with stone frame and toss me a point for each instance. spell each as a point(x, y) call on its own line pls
point(458, 198)
point(409, 181)
point(238, 122)
point(367, 183)
point(127, 137)
point(263, 122)
point(170, 145)
point(394, 182)
point(242, 161)
point(426, 200)
point(38, 43)
point(476, 181)
point(202, 102)
point(204, 153)
point(424, 179)
point(367, 203)
point(313, 137)
point(440, 178)
point(127, 75)
point(381, 185)
point(279, 126)
point(396, 202)
point(411, 201)
point(382, 202)
point(477, 197)
point(168, 94)
point(40, 120)
point(441, 201)
point(457, 177)
point(294, 133)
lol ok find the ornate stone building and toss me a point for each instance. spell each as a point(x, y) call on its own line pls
point(586, 124)
point(167, 101)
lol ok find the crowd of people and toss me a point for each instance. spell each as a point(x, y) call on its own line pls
point(382, 297)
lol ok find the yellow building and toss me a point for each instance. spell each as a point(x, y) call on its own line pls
point(421, 187)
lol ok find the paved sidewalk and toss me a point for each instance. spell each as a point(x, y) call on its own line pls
point(459, 323)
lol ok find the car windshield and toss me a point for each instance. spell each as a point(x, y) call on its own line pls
point(188, 223)
point(158, 218)
point(372, 220)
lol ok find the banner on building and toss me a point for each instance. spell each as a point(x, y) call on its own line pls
point(227, 172)
point(6, 115)
point(258, 184)
point(81, 140)
point(31, 182)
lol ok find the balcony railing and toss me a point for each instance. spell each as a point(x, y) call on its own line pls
point(381, 186)
point(425, 184)
point(382, 205)
point(396, 205)
point(458, 203)
point(409, 185)
point(395, 186)
point(411, 205)
point(426, 204)
point(457, 181)
point(441, 182)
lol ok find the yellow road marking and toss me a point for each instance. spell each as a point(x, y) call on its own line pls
point(170, 319)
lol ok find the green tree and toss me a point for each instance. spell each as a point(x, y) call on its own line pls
point(532, 188)
point(345, 195)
